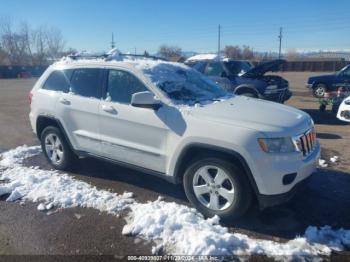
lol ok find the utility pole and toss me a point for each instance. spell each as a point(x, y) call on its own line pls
point(280, 39)
point(112, 42)
point(219, 36)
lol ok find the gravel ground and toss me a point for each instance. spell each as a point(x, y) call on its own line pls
point(24, 230)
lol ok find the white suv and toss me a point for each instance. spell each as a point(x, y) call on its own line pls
point(169, 120)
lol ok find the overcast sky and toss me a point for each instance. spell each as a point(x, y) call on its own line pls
point(191, 25)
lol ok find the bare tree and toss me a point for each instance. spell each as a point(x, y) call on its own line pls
point(26, 46)
point(169, 52)
point(55, 43)
point(233, 52)
point(247, 52)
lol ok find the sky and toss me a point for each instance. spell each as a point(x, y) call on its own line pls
point(189, 24)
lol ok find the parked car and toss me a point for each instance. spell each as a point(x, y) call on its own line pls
point(169, 120)
point(344, 110)
point(328, 83)
point(241, 78)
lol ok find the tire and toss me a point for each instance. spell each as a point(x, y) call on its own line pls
point(319, 90)
point(241, 198)
point(55, 146)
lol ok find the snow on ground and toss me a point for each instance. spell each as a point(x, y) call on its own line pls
point(322, 163)
point(182, 230)
point(51, 188)
point(334, 159)
point(175, 228)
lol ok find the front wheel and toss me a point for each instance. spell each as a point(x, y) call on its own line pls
point(320, 90)
point(217, 187)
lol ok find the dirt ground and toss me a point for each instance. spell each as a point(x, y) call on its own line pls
point(23, 230)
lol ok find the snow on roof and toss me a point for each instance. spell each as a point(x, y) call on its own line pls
point(201, 57)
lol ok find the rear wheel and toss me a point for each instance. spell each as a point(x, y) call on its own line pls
point(320, 90)
point(217, 187)
point(56, 148)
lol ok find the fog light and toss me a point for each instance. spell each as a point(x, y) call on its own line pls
point(289, 178)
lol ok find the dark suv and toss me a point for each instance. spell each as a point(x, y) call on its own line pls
point(326, 83)
point(241, 78)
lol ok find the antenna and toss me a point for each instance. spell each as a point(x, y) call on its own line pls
point(280, 38)
point(112, 42)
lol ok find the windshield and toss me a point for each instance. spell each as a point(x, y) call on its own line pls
point(345, 70)
point(238, 68)
point(184, 85)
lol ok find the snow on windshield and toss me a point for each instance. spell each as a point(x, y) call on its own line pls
point(182, 84)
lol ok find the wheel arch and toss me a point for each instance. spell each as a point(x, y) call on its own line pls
point(244, 88)
point(192, 150)
point(44, 121)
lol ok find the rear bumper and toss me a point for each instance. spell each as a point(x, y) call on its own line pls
point(275, 200)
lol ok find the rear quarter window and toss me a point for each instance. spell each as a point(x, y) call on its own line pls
point(58, 81)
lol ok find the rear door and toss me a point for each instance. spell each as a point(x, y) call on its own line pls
point(78, 109)
point(131, 134)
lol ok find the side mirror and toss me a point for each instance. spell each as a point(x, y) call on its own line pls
point(146, 100)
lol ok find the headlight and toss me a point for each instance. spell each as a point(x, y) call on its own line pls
point(272, 87)
point(277, 145)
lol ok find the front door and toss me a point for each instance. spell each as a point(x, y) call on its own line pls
point(131, 134)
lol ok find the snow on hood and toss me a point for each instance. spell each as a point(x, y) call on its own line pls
point(176, 229)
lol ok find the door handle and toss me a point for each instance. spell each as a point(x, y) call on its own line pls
point(109, 109)
point(64, 101)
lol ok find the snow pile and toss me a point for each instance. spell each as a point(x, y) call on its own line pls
point(334, 159)
point(175, 228)
point(15, 156)
point(52, 188)
point(182, 230)
point(322, 163)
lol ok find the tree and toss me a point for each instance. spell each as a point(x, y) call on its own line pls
point(247, 52)
point(26, 46)
point(169, 52)
point(233, 52)
point(146, 53)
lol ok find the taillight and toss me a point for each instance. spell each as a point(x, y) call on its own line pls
point(30, 98)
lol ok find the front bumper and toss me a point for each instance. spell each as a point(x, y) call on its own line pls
point(271, 170)
point(275, 200)
point(309, 86)
point(280, 96)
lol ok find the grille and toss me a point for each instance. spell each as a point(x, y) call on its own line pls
point(307, 142)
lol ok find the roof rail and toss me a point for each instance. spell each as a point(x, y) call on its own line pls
point(109, 57)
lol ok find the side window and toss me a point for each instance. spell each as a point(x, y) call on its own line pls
point(86, 82)
point(58, 81)
point(214, 69)
point(122, 85)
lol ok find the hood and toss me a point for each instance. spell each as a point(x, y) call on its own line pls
point(273, 119)
point(264, 67)
point(322, 78)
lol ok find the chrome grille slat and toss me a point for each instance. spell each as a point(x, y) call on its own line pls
point(307, 142)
